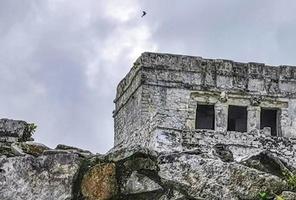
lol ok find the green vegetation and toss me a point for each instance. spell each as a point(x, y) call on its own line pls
point(267, 196)
point(263, 195)
point(28, 132)
point(31, 128)
point(291, 179)
point(279, 198)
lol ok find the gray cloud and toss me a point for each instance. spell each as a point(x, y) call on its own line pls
point(60, 61)
point(242, 30)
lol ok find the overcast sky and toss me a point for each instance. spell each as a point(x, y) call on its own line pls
point(60, 60)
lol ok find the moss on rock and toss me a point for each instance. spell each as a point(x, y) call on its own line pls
point(100, 182)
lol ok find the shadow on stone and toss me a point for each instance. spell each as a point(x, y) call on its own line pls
point(268, 163)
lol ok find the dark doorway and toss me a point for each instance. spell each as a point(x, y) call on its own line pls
point(268, 118)
point(237, 118)
point(205, 117)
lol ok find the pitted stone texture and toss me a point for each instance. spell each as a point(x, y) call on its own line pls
point(12, 128)
point(223, 152)
point(242, 145)
point(267, 162)
point(45, 177)
point(31, 148)
point(204, 178)
point(173, 195)
point(199, 174)
point(11, 149)
point(100, 183)
point(71, 149)
point(165, 141)
point(288, 195)
point(117, 154)
point(138, 183)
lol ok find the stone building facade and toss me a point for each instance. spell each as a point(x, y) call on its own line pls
point(165, 97)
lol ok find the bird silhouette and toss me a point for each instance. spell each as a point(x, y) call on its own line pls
point(144, 13)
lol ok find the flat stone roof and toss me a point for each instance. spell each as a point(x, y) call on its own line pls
point(209, 67)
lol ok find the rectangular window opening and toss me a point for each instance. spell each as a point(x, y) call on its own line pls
point(205, 117)
point(237, 118)
point(268, 118)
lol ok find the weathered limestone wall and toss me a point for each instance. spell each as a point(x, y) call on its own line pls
point(128, 119)
point(168, 88)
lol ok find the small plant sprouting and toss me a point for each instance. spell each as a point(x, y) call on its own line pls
point(31, 128)
point(290, 178)
point(28, 132)
point(266, 196)
point(263, 195)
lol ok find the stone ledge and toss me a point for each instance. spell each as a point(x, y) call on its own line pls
point(19, 129)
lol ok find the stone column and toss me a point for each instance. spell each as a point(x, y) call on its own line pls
point(253, 118)
point(221, 116)
point(284, 122)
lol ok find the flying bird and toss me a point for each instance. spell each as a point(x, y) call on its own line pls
point(144, 13)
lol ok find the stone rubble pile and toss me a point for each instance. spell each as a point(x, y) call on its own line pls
point(30, 170)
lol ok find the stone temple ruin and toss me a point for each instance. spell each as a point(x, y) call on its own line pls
point(186, 128)
point(168, 102)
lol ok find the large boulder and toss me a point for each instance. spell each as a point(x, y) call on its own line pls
point(201, 175)
point(18, 129)
point(99, 183)
point(43, 177)
point(206, 178)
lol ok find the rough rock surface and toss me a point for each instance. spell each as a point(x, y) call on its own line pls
point(27, 171)
point(139, 183)
point(100, 182)
point(15, 130)
point(287, 195)
point(215, 167)
point(43, 177)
